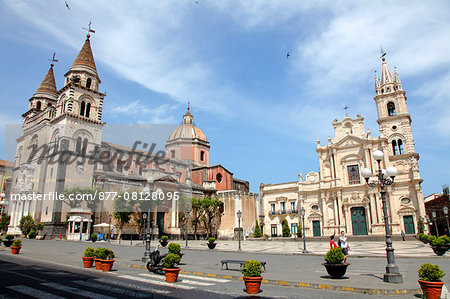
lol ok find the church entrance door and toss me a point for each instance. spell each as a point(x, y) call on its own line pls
point(409, 224)
point(316, 228)
point(160, 222)
point(359, 221)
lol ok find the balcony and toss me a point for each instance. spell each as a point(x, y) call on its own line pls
point(282, 212)
point(293, 211)
point(272, 213)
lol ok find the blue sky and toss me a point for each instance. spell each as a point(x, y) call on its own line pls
point(261, 112)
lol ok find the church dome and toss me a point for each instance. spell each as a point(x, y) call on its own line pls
point(187, 130)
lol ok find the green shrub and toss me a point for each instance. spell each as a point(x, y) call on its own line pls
point(1, 240)
point(26, 224)
point(89, 252)
point(174, 248)
point(211, 240)
point(299, 229)
point(17, 242)
point(104, 253)
point(164, 238)
point(9, 237)
point(334, 256)
point(420, 225)
point(251, 269)
point(31, 234)
point(93, 237)
point(4, 222)
point(286, 229)
point(441, 241)
point(171, 261)
point(40, 226)
point(257, 233)
point(431, 238)
point(429, 272)
point(447, 239)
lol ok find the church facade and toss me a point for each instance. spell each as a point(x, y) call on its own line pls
point(61, 147)
point(337, 197)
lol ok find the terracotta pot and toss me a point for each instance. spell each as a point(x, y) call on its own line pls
point(336, 270)
point(87, 261)
point(107, 265)
point(252, 284)
point(171, 274)
point(431, 289)
point(98, 264)
point(212, 245)
point(15, 249)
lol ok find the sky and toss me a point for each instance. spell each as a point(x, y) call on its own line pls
point(261, 111)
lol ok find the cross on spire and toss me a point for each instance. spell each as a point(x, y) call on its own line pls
point(89, 29)
point(346, 108)
point(53, 59)
point(188, 105)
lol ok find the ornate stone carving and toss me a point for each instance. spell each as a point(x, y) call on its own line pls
point(25, 178)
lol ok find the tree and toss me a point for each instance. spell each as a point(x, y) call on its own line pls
point(299, 229)
point(123, 210)
point(209, 208)
point(196, 213)
point(257, 232)
point(421, 226)
point(27, 224)
point(286, 229)
point(4, 222)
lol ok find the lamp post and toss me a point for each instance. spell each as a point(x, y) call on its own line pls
point(109, 233)
point(385, 177)
point(302, 212)
point(433, 214)
point(186, 220)
point(239, 215)
point(148, 234)
point(445, 210)
point(144, 218)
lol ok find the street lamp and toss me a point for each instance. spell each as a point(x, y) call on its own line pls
point(144, 218)
point(148, 234)
point(239, 215)
point(186, 223)
point(385, 177)
point(302, 212)
point(433, 214)
point(445, 210)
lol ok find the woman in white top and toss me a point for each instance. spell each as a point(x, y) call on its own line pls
point(344, 245)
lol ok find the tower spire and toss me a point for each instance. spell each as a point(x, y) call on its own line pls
point(386, 76)
point(48, 85)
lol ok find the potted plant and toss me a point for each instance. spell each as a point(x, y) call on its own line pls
point(32, 234)
point(211, 243)
point(164, 241)
point(175, 249)
point(106, 257)
point(439, 245)
point(8, 240)
point(98, 263)
point(430, 280)
point(88, 257)
point(16, 246)
point(93, 237)
point(334, 262)
point(252, 276)
point(170, 267)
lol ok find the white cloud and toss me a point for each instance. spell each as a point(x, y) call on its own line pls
point(142, 113)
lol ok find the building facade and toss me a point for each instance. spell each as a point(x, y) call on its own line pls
point(61, 147)
point(337, 198)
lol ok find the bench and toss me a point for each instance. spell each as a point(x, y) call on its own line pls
point(241, 263)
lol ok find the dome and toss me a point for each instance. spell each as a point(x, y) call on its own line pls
point(188, 130)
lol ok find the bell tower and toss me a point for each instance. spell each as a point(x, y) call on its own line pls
point(393, 117)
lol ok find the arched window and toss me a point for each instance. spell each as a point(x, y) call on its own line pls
point(400, 147)
point(219, 177)
point(38, 105)
point(88, 109)
point(391, 109)
point(173, 153)
point(84, 148)
point(78, 145)
point(202, 156)
point(394, 147)
point(82, 108)
point(88, 82)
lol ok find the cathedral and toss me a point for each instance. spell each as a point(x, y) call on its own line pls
point(337, 198)
point(61, 147)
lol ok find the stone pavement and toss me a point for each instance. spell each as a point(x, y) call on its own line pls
point(285, 264)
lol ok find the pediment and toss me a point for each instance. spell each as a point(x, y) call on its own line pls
point(349, 141)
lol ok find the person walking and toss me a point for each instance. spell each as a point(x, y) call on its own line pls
point(332, 243)
point(403, 235)
point(344, 245)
